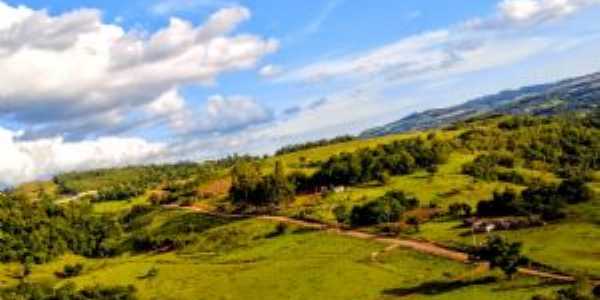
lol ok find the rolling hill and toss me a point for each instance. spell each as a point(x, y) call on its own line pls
point(574, 94)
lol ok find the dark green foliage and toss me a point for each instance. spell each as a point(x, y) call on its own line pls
point(385, 209)
point(120, 192)
point(487, 167)
point(301, 182)
point(39, 231)
point(366, 165)
point(341, 214)
point(517, 122)
point(502, 204)
point(501, 254)
point(32, 291)
point(575, 190)
point(250, 187)
point(459, 210)
point(70, 271)
point(315, 144)
point(545, 200)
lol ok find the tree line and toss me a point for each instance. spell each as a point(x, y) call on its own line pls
point(314, 144)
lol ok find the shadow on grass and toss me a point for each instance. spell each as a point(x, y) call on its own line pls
point(541, 284)
point(438, 287)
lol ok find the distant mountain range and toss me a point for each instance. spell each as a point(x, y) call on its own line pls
point(575, 94)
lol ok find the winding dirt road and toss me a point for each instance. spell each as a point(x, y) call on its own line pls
point(393, 243)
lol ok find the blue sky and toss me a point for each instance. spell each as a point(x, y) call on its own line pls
point(103, 83)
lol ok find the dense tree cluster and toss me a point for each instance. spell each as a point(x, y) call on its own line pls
point(118, 182)
point(315, 144)
point(565, 145)
point(251, 187)
point(36, 232)
point(545, 200)
point(386, 209)
point(181, 192)
point(366, 165)
point(120, 192)
point(31, 291)
point(493, 166)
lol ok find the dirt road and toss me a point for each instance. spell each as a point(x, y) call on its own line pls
point(393, 243)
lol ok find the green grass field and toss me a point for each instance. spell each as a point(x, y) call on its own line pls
point(243, 260)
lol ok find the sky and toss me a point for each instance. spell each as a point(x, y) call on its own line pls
point(92, 84)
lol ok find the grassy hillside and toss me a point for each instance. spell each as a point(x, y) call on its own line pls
point(177, 254)
point(242, 260)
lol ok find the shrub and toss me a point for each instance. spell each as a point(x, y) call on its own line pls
point(459, 210)
point(385, 209)
point(501, 204)
point(574, 190)
point(501, 254)
point(70, 271)
point(341, 214)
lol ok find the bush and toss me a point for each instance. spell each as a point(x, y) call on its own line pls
point(574, 190)
point(341, 214)
point(70, 271)
point(385, 209)
point(459, 210)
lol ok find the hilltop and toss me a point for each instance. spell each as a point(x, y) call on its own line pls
point(570, 95)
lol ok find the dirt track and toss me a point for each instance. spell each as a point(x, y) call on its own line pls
point(393, 243)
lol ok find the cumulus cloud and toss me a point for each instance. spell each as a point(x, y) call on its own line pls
point(24, 161)
point(72, 67)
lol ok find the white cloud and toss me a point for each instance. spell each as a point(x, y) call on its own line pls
point(73, 67)
point(270, 71)
point(520, 13)
point(166, 104)
point(225, 114)
point(448, 51)
point(24, 161)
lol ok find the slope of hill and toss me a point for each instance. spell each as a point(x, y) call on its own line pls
point(190, 234)
point(575, 94)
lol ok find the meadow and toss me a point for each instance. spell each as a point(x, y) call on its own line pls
point(243, 260)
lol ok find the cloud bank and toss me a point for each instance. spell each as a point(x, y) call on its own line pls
point(74, 75)
point(27, 160)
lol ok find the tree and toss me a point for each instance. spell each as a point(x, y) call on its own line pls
point(245, 178)
point(341, 214)
point(249, 187)
point(501, 254)
point(458, 210)
point(574, 190)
